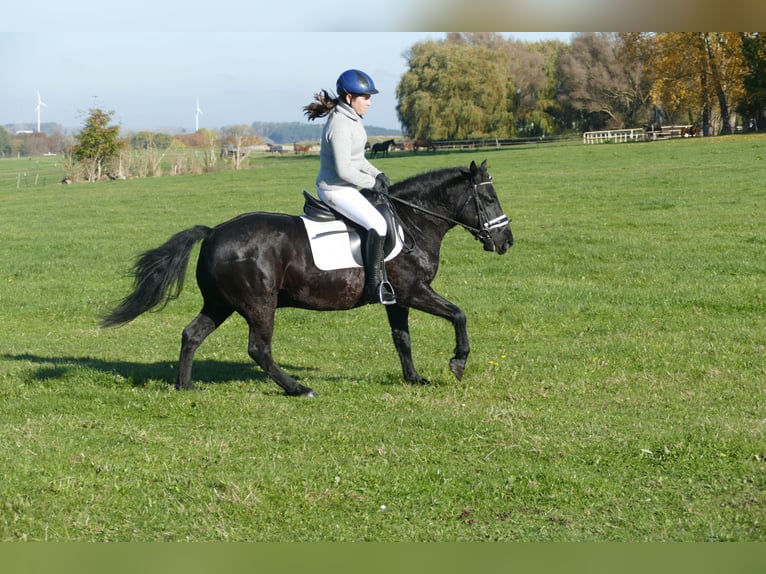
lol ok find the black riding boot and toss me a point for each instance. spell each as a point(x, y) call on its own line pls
point(377, 289)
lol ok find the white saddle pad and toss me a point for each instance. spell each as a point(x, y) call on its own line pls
point(331, 244)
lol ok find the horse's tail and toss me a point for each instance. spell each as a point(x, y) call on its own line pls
point(158, 274)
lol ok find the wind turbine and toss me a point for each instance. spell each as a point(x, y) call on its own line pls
point(197, 113)
point(40, 105)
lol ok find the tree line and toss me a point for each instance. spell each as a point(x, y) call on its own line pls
point(476, 85)
point(479, 85)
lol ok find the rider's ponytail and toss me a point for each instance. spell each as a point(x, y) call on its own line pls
point(322, 105)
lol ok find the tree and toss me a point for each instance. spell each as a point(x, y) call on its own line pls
point(726, 61)
point(152, 147)
point(531, 94)
point(753, 101)
point(238, 140)
point(548, 103)
point(605, 80)
point(34, 144)
point(5, 142)
point(635, 50)
point(454, 90)
point(699, 73)
point(96, 143)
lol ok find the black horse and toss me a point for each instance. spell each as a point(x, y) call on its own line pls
point(259, 261)
point(381, 147)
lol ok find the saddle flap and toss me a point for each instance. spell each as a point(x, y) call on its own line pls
point(317, 210)
point(383, 205)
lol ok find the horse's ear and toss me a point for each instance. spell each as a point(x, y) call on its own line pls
point(474, 169)
point(484, 165)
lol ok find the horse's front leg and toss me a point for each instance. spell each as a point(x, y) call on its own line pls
point(431, 302)
point(455, 315)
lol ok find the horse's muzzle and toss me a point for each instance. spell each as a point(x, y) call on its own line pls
point(498, 240)
point(504, 247)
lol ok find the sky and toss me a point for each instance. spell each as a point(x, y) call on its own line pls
point(152, 80)
point(263, 60)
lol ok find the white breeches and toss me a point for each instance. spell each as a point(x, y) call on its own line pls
point(353, 205)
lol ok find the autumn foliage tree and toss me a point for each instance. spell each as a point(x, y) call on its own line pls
point(699, 77)
point(479, 84)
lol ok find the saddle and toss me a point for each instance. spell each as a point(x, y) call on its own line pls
point(317, 210)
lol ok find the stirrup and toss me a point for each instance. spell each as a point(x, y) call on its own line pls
point(386, 293)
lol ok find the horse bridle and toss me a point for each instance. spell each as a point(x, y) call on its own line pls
point(486, 225)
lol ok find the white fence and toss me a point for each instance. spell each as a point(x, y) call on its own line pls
point(639, 134)
point(617, 136)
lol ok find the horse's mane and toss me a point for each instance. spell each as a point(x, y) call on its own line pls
point(414, 186)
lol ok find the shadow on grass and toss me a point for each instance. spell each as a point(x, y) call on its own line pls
point(138, 374)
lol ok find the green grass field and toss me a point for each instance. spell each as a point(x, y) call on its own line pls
point(615, 390)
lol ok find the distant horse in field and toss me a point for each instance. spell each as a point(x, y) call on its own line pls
point(259, 261)
point(689, 132)
point(274, 148)
point(424, 143)
point(382, 147)
point(298, 148)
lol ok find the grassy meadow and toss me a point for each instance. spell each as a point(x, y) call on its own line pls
point(615, 390)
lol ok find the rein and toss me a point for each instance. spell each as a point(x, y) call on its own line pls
point(486, 224)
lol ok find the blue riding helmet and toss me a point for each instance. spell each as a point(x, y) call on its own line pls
point(355, 82)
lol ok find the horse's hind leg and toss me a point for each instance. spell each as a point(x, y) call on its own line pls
point(398, 319)
point(193, 335)
point(259, 348)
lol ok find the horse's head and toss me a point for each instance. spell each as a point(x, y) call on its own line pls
point(493, 228)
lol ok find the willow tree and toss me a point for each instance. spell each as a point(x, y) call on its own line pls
point(542, 84)
point(454, 91)
point(532, 84)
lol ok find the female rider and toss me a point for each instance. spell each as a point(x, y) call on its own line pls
point(344, 170)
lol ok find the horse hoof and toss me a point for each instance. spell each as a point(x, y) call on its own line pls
point(417, 380)
point(304, 392)
point(457, 366)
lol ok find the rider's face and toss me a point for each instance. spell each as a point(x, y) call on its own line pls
point(360, 104)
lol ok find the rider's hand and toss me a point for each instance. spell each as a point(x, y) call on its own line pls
point(382, 183)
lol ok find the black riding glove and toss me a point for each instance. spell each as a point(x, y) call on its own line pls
point(382, 183)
